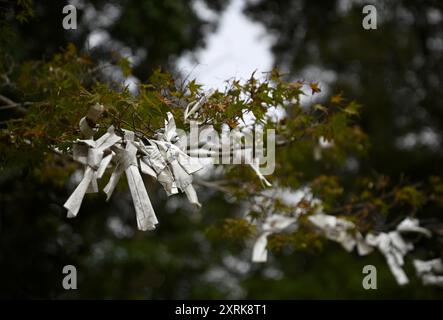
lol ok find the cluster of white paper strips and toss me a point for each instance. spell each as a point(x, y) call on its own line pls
point(161, 159)
point(391, 244)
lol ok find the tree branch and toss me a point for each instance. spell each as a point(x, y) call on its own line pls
point(9, 104)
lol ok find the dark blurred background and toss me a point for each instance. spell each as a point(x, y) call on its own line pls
point(395, 72)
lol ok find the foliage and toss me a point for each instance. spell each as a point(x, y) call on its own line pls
point(58, 93)
point(42, 101)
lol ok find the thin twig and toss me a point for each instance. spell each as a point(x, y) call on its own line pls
point(9, 104)
point(212, 185)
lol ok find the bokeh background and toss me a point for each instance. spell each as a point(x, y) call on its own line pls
point(395, 72)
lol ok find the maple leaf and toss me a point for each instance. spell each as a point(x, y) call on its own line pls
point(314, 87)
point(352, 108)
point(337, 99)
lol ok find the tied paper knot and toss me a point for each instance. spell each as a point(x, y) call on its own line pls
point(183, 178)
point(91, 154)
point(394, 247)
point(341, 231)
point(127, 163)
point(272, 224)
point(153, 159)
point(87, 124)
point(181, 164)
point(427, 270)
point(182, 169)
point(162, 159)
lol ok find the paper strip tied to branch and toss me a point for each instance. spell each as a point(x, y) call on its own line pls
point(255, 165)
point(155, 161)
point(427, 270)
point(162, 159)
point(87, 124)
point(272, 224)
point(91, 154)
point(127, 163)
point(394, 247)
point(181, 164)
point(341, 231)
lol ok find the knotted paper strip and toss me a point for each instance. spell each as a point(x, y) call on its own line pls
point(394, 247)
point(87, 123)
point(255, 165)
point(182, 168)
point(341, 231)
point(427, 270)
point(180, 164)
point(127, 162)
point(412, 225)
point(91, 154)
point(272, 224)
point(154, 159)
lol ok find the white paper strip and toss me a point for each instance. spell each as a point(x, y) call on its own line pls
point(393, 247)
point(75, 200)
point(180, 164)
point(155, 160)
point(146, 169)
point(127, 162)
point(255, 165)
point(272, 224)
point(341, 231)
point(193, 107)
point(91, 117)
point(90, 153)
point(427, 270)
point(412, 225)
